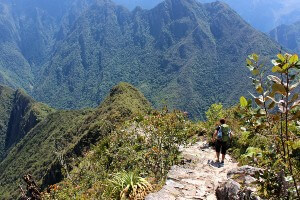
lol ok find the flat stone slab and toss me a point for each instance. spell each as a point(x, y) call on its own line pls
point(197, 179)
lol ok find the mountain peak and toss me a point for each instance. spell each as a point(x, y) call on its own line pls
point(183, 3)
point(126, 99)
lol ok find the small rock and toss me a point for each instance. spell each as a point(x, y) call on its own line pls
point(194, 182)
point(173, 191)
point(249, 179)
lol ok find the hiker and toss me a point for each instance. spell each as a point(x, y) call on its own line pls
point(222, 137)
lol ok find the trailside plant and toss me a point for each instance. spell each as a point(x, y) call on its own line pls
point(142, 148)
point(277, 111)
point(128, 185)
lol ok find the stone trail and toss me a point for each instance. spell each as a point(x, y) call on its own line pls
point(198, 178)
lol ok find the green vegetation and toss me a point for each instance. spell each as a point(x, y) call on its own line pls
point(279, 91)
point(181, 53)
point(267, 129)
point(25, 49)
point(128, 185)
point(142, 150)
point(54, 145)
point(6, 99)
point(19, 114)
point(185, 62)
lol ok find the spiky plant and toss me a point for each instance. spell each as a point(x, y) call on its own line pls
point(128, 185)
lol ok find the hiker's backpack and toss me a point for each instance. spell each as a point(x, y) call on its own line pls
point(223, 133)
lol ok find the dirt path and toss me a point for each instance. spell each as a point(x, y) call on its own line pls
point(198, 178)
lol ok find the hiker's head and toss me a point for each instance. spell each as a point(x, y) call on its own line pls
point(222, 121)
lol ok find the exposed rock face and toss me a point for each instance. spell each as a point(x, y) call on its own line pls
point(239, 185)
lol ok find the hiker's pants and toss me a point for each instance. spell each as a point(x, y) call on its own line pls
point(221, 146)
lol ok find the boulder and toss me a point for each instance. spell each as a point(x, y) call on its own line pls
point(228, 190)
point(240, 184)
point(244, 170)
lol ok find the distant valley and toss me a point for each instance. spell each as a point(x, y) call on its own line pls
point(181, 53)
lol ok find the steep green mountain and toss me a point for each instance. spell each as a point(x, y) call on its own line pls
point(263, 15)
point(19, 114)
point(29, 30)
point(63, 136)
point(181, 53)
point(6, 99)
point(288, 36)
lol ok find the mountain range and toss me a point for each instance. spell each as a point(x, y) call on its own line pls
point(43, 140)
point(288, 36)
point(66, 63)
point(181, 53)
point(264, 15)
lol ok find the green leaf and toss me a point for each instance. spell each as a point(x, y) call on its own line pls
point(249, 62)
point(255, 72)
point(281, 57)
point(272, 105)
point(276, 69)
point(255, 57)
point(286, 66)
point(294, 59)
point(278, 88)
point(249, 101)
point(259, 89)
point(243, 101)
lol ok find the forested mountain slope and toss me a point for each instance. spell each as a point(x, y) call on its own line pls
point(263, 15)
point(19, 113)
point(288, 36)
point(63, 136)
point(181, 53)
point(29, 30)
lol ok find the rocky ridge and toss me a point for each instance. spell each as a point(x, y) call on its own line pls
point(200, 177)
